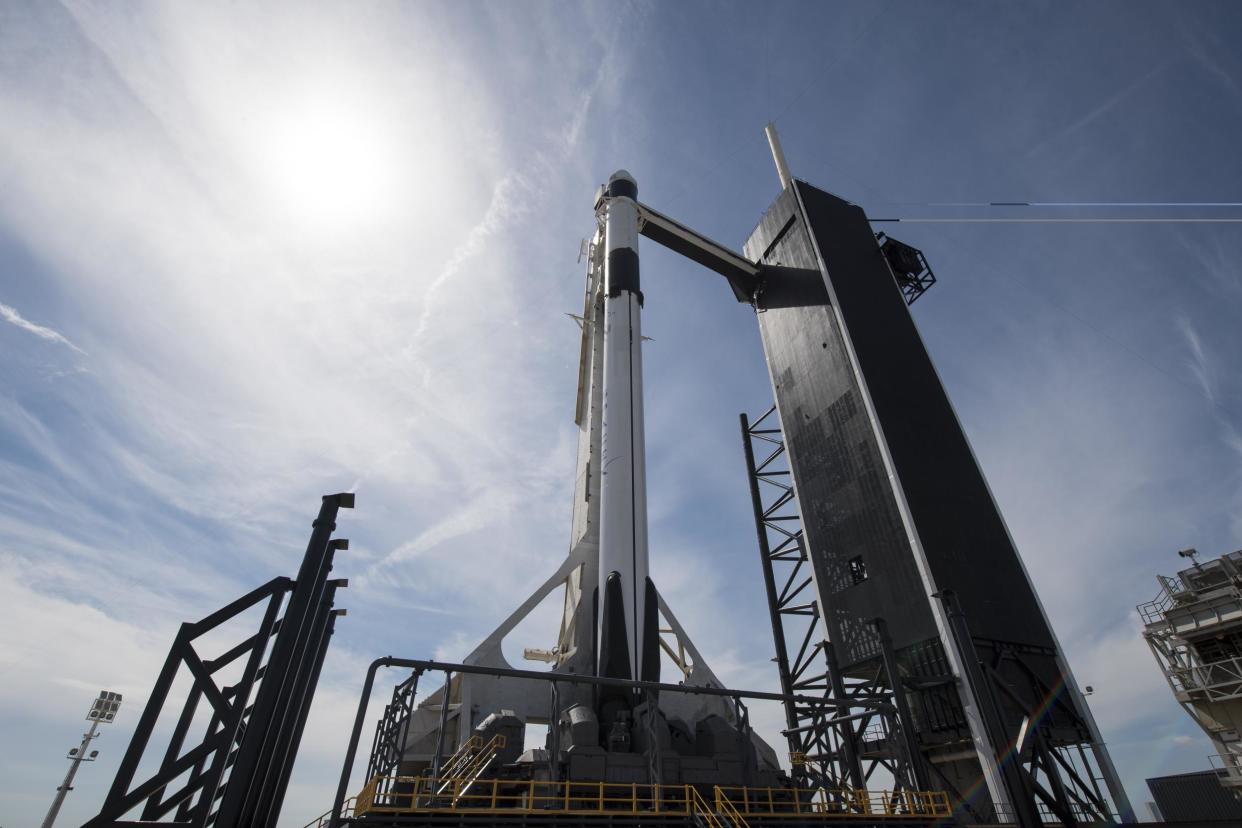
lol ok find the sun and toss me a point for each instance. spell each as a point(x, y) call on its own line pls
point(331, 162)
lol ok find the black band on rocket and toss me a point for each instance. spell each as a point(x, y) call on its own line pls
point(623, 187)
point(623, 272)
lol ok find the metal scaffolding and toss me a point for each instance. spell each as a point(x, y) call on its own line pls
point(237, 770)
point(832, 751)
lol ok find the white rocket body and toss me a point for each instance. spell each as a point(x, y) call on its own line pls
point(623, 572)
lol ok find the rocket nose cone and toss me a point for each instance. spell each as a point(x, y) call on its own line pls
point(621, 183)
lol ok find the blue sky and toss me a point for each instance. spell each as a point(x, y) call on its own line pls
point(248, 257)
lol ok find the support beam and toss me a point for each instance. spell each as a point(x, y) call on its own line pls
point(742, 273)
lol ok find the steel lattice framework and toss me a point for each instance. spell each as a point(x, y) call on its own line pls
point(390, 731)
point(832, 751)
point(237, 770)
point(828, 748)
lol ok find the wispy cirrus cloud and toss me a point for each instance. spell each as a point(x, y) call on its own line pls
point(249, 318)
point(1198, 363)
point(10, 315)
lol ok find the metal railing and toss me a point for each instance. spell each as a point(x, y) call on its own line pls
point(874, 732)
point(322, 821)
point(461, 755)
point(698, 806)
point(1220, 680)
point(841, 802)
point(469, 762)
point(726, 810)
point(1153, 611)
point(405, 794)
point(840, 710)
point(1085, 816)
point(1231, 764)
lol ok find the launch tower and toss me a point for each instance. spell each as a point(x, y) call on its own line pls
point(918, 591)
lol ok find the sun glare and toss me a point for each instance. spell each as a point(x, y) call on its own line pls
point(332, 163)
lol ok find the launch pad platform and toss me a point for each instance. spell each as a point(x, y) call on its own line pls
point(600, 804)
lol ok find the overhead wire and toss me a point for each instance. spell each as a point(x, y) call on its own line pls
point(1122, 205)
point(1098, 331)
point(1056, 220)
point(1071, 204)
point(1042, 295)
point(1058, 205)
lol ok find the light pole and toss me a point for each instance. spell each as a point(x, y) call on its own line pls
point(103, 711)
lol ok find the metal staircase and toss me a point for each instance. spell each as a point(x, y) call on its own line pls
point(726, 812)
point(465, 766)
point(721, 813)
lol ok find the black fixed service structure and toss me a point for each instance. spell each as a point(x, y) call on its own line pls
point(916, 580)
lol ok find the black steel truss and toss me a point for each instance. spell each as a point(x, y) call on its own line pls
point(388, 747)
point(829, 747)
point(1047, 779)
point(238, 769)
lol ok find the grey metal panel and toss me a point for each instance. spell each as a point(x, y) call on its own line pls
point(1194, 796)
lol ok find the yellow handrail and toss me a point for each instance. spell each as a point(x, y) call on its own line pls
point(699, 807)
point(323, 819)
point(465, 765)
point(725, 808)
point(483, 757)
point(462, 754)
point(404, 794)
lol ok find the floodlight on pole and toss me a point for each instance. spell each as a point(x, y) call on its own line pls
point(103, 710)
